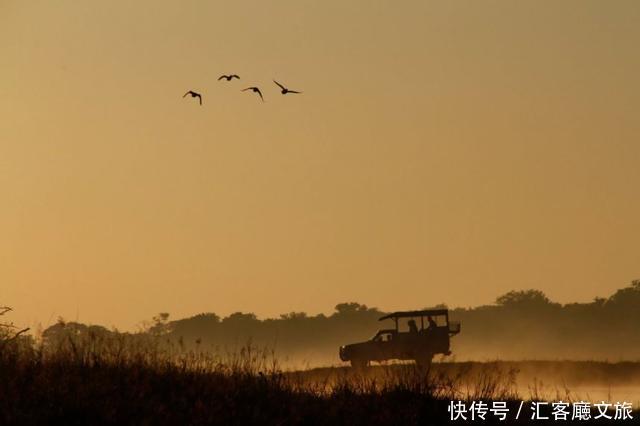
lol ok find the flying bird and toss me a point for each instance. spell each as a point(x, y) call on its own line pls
point(284, 90)
point(255, 90)
point(229, 77)
point(194, 95)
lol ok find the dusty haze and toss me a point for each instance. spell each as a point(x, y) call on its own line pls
point(441, 152)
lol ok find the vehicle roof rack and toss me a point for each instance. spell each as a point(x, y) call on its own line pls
point(409, 314)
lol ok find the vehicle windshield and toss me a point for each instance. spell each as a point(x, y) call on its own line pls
point(382, 336)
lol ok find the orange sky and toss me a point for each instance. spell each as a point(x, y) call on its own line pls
point(441, 152)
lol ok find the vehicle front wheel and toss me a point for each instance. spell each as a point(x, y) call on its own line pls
point(359, 364)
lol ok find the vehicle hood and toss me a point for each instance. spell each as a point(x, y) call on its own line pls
point(346, 351)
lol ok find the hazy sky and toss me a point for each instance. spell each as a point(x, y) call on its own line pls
point(442, 151)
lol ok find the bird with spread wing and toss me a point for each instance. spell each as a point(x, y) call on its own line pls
point(255, 90)
point(194, 95)
point(229, 77)
point(284, 90)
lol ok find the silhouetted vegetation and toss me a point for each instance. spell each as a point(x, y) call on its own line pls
point(109, 380)
point(95, 378)
point(79, 374)
point(527, 325)
point(520, 325)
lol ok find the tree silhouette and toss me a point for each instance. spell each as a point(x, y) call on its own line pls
point(521, 324)
point(523, 297)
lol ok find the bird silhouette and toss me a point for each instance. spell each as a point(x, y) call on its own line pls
point(284, 90)
point(255, 90)
point(229, 77)
point(194, 95)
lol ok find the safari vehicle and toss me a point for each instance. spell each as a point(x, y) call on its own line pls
point(426, 334)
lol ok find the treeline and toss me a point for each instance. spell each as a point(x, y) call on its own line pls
point(520, 325)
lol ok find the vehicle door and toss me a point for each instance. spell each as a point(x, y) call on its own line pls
point(384, 345)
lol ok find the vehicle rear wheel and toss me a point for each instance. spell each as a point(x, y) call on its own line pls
point(424, 361)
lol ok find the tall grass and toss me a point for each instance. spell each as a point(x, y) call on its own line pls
point(93, 379)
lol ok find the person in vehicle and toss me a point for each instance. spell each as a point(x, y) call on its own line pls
point(413, 328)
point(432, 323)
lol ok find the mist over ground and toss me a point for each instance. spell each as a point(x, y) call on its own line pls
point(520, 325)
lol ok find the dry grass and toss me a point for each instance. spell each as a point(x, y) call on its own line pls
point(147, 380)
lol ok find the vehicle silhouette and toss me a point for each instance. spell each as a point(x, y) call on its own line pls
point(417, 343)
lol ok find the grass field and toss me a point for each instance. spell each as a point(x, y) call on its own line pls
point(84, 383)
